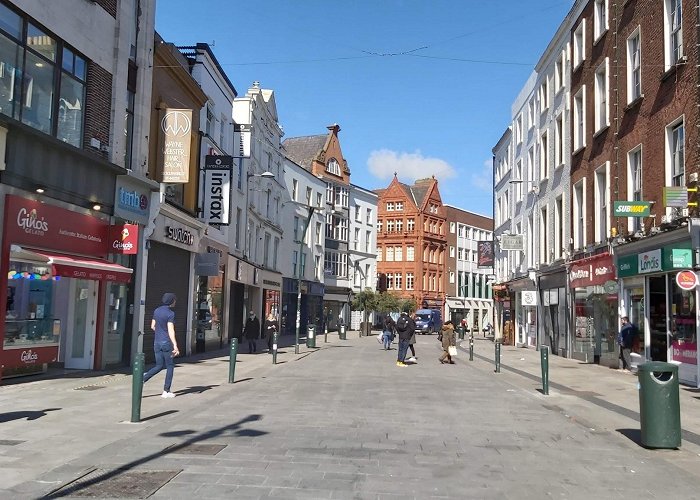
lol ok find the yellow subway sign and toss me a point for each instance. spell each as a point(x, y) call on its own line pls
point(631, 208)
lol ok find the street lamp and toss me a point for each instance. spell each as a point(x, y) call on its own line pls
point(311, 209)
point(264, 175)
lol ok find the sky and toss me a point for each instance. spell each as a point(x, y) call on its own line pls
point(418, 87)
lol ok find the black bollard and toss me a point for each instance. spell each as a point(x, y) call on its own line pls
point(232, 360)
point(498, 355)
point(544, 358)
point(274, 348)
point(471, 346)
point(137, 387)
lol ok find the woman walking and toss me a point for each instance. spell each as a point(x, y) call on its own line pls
point(388, 333)
point(447, 334)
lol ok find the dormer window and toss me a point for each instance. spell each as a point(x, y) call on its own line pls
point(333, 167)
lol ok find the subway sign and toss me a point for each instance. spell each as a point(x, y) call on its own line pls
point(631, 208)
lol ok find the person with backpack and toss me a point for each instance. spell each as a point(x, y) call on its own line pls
point(405, 327)
point(388, 334)
point(626, 337)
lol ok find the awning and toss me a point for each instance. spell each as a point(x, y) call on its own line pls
point(78, 267)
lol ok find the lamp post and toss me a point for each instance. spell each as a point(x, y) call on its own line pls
point(311, 209)
point(264, 175)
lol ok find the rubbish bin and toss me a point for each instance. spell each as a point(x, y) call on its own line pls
point(342, 332)
point(311, 336)
point(659, 406)
point(460, 332)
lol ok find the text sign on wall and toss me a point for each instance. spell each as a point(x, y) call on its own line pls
point(631, 208)
point(124, 239)
point(176, 131)
point(217, 189)
point(512, 242)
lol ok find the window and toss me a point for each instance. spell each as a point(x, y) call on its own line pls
point(676, 145)
point(389, 206)
point(409, 281)
point(531, 113)
point(601, 96)
point(452, 227)
point(399, 226)
point(369, 216)
point(531, 164)
point(390, 254)
point(518, 186)
point(398, 278)
point(399, 205)
point(559, 73)
point(239, 221)
point(295, 262)
point(210, 120)
point(266, 251)
point(128, 128)
point(673, 17)
point(368, 241)
point(336, 264)
point(519, 129)
point(319, 233)
point(460, 254)
point(634, 67)
point(559, 145)
point(410, 225)
point(222, 135)
point(580, 119)
point(309, 194)
point(452, 251)
point(579, 44)
point(275, 251)
point(356, 242)
point(317, 267)
point(380, 254)
point(544, 235)
point(579, 215)
point(390, 226)
point(332, 167)
point(379, 226)
point(634, 185)
point(295, 189)
point(297, 238)
point(600, 18)
point(357, 213)
point(452, 277)
point(601, 203)
point(410, 254)
point(544, 94)
point(319, 199)
point(390, 281)
point(544, 156)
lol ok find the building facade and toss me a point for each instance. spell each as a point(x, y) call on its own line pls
point(362, 263)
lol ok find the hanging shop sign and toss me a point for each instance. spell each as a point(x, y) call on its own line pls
point(484, 251)
point(217, 189)
point(124, 239)
point(529, 298)
point(176, 132)
point(631, 208)
point(132, 200)
point(207, 264)
point(592, 271)
point(687, 280)
point(241, 140)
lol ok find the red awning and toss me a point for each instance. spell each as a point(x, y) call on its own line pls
point(87, 269)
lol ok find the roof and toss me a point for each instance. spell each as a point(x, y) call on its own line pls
point(303, 150)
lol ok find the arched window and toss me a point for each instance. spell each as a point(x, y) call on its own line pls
point(333, 167)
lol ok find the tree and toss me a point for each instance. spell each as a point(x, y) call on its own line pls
point(408, 305)
point(365, 301)
point(388, 302)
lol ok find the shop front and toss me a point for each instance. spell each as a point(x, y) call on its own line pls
point(272, 295)
point(210, 307)
point(59, 297)
point(523, 326)
point(311, 304)
point(659, 294)
point(245, 295)
point(554, 312)
point(594, 292)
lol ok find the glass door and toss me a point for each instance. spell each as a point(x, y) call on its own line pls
point(82, 317)
point(658, 326)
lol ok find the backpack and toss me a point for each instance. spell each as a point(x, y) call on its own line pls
point(402, 323)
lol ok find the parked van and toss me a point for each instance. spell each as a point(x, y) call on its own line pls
point(428, 321)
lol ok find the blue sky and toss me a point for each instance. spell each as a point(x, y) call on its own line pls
point(418, 87)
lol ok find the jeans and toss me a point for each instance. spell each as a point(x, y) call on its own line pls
point(403, 347)
point(387, 339)
point(625, 356)
point(164, 356)
point(252, 346)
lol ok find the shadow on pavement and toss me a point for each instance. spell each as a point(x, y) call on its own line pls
point(235, 429)
point(27, 414)
point(158, 415)
point(634, 435)
point(177, 433)
point(242, 380)
point(195, 389)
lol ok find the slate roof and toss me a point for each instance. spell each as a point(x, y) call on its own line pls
point(303, 150)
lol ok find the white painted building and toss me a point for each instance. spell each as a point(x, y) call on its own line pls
point(362, 250)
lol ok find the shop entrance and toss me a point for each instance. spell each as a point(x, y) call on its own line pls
point(82, 321)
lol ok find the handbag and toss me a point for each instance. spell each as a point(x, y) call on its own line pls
point(452, 350)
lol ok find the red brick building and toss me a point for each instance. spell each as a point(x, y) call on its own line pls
point(412, 241)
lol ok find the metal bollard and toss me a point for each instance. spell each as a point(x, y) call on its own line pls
point(137, 387)
point(498, 356)
point(311, 336)
point(544, 358)
point(471, 346)
point(232, 360)
point(274, 348)
point(325, 334)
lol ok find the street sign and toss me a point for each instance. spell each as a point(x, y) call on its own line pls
point(675, 196)
point(631, 208)
point(512, 242)
point(687, 280)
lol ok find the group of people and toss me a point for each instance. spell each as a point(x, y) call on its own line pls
point(251, 331)
point(405, 328)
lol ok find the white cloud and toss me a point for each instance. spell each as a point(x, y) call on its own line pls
point(483, 179)
point(409, 166)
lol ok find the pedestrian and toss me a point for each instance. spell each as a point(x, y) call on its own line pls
point(388, 333)
point(405, 327)
point(626, 339)
point(270, 329)
point(412, 341)
point(251, 331)
point(447, 336)
point(164, 342)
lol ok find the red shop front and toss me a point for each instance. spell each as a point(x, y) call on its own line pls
point(55, 265)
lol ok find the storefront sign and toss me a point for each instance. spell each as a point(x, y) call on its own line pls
point(217, 189)
point(179, 234)
point(206, 264)
point(176, 131)
point(631, 208)
point(241, 140)
point(512, 242)
point(529, 298)
point(685, 352)
point(33, 223)
point(132, 201)
point(681, 258)
point(484, 251)
point(649, 262)
point(592, 271)
point(124, 239)
point(12, 358)
point(687, 280)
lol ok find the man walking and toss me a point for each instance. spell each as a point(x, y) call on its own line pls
point(405, 327)
point(251, 331)
point(164, 342)
point(626, 337)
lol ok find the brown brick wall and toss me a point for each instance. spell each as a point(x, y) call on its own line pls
point(98, 106)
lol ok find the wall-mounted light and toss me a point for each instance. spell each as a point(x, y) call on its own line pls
point(39, 190)
point(97, 207)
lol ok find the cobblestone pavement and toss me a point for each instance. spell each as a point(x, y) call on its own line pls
point(345, 422)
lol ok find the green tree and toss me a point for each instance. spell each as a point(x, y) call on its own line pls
point(388, 302)
point(409, 305)
point(364, 301)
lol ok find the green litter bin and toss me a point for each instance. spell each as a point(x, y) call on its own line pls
point(342, 332)
point(659, 405)
point(311, 336)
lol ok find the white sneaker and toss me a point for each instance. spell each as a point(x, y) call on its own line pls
point(413, 359)
point(167, 394)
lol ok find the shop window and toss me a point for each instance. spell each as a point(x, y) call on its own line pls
point(684, 344)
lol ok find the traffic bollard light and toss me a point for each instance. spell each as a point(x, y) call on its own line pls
point(311, 336)
point(471, 346)
point(325, 334)
point(274, 348)
point(498, 356)
point(544, 358)
point(137, 387)
point(232, 360)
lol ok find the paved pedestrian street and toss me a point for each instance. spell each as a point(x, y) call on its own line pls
point(343, 421)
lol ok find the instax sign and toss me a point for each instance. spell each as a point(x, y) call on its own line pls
point(217, 189)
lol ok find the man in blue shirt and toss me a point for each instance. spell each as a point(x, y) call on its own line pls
point(164, 342)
